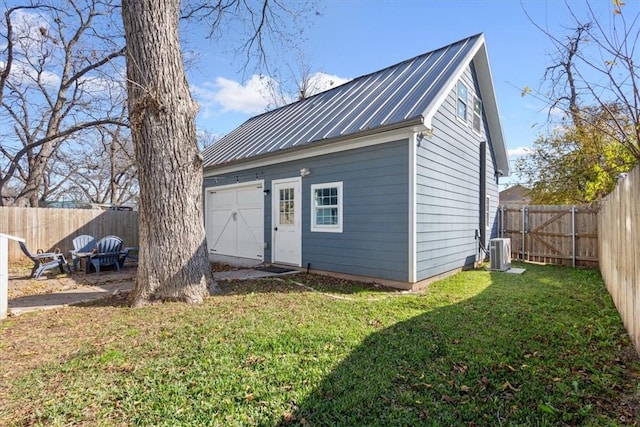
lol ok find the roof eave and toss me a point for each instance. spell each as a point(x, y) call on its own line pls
point(490, 105)
point(415, 124)
point(478, 54)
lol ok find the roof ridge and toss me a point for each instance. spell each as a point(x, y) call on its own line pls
point(364, 76)
point(407, 93)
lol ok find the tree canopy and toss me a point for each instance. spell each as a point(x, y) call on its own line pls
point(61, 85)
point(592, 84)
point(576, 164)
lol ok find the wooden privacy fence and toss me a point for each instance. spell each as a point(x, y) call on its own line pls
point(563, 235)
point(49, 229)
point(619, 239)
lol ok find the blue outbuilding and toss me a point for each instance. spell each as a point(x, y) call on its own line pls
point(391, 177)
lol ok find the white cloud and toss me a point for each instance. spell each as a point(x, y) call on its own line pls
point(519, 152)
point(29, 27)
point(115, 84)
point(253, 97)
point(31, 32)
point(22, 73)
point(248, 98)
point(35, 46)
point(30, 35)
point(557, 113)
point(319, 82)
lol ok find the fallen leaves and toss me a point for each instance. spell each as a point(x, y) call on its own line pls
point(460, 368)
point(507, 385)
point(376, 323)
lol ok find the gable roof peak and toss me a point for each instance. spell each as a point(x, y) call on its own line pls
point(402, 95)
point(471, 39)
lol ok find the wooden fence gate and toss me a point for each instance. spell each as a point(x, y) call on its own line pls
point(562, 235)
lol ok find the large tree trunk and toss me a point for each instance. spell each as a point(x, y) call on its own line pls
point(173, 261)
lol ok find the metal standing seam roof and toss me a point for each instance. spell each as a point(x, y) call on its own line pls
point(400, 93)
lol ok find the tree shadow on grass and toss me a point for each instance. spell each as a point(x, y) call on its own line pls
point(528, 350)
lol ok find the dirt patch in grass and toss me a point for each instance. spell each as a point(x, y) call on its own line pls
point(300, 282)
point(218, 267)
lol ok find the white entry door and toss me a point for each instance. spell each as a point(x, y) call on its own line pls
point(235, 221)
point(287, 221)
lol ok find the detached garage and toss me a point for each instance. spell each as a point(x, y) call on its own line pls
point(235, 222)
point(392, 176)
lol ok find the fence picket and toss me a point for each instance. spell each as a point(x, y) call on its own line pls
point(564, 235)
point(619, 246)
point(49, 229)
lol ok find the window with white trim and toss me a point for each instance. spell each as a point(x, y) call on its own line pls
point(326, 207)
point(477, 114)
point(462, 101)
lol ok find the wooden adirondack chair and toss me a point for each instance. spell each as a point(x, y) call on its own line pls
point(108, 252)
point(81, 243)
point(45, 261)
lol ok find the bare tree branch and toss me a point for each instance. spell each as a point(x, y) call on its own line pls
point(574, 76)
point(51, 81)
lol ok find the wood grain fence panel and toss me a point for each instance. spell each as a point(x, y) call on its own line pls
point(619, 246)
point(561, 235)
point(510, 226)
point(49, 229)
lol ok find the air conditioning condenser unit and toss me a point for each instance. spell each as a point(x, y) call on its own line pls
point(500, 254)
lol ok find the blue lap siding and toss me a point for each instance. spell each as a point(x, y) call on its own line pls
point(448, 201)
point(374, 241)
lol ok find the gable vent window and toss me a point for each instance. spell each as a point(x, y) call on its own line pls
point(477, 114)
point(462, 101)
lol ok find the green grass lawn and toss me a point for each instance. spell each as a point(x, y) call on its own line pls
point(478, 348)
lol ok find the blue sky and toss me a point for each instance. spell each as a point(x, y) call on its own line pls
point(351, 38)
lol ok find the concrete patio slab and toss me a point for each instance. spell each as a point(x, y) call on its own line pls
point(91, 292)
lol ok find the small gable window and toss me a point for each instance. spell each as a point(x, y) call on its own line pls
point(462, 101)
point(326, 207)
point(477, 114)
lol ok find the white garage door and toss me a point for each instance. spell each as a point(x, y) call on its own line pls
point(235, 221)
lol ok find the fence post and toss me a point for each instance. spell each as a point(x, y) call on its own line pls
point(524, 230)
point(4, 276)
point(573, 235)
point(4, 273)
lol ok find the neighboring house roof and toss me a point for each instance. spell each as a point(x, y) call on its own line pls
point(403, 95)
point(516, 194)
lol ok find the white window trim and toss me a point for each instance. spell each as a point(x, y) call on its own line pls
point(324, 228)
point(464, 120)
point(473, 115)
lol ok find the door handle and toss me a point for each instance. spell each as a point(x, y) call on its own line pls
point(275, 228)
